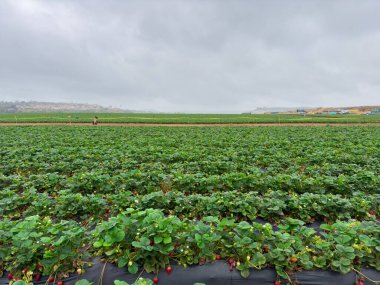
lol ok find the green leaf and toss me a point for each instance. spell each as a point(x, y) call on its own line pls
point(344, 269)
point(144, 242)
point(366, 240)
point(157, 239)
point(118, 234)
point(344, 249)
point(244, 273)
point(83, 282)
point(343, 239)
point(148, 267)
point(325, 227)
point(98, 243)
point(21, 282)
point(118, 282)
point(345, 261)
point(320, 261)
point(244, 225)
point(45, 240)
point(258, 258)
point(122, 262)
point(167, 240)
point(133, 268)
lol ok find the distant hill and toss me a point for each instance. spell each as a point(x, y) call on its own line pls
point(358, 110)
point(48, 107)
point(267, 110)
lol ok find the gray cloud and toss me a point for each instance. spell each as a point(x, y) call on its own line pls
point(191, 56)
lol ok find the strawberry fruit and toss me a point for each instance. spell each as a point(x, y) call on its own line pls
point(155, 280)
point(51, 279)
point(168, 269)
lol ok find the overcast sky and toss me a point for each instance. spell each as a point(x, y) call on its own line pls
point(191, 56)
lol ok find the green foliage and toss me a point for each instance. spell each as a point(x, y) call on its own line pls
point(83, 282)
point(145, 197)
point(185, 118)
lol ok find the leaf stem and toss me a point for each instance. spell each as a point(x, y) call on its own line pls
point(366, 277)
point(102, 273)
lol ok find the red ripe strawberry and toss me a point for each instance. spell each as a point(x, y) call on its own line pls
point(37, 277)
point(171, 254)
point(155, 280)
point(10, 276)
point(277, 283)
point(230, 260)
point(151, 242)
point(218, 257)
point(51, 279)
point(168, 269)
point(372, 212)
point(60, 283)
point(361, 283)
point(38, 265)
point(231, 268)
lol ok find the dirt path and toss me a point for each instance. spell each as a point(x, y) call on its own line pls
point(192, 125)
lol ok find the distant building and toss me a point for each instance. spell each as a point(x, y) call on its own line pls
point(374, 112)
point(329, 112)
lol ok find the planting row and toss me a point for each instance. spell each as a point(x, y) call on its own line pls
point(148, 239)
point(146, 182)
point(272, 205)
point(186, 118)
point(191, 160)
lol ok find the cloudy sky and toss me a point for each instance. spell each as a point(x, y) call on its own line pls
point(191, 56)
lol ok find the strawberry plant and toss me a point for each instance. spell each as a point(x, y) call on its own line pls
point(152, 197)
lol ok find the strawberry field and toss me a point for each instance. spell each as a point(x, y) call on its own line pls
point(153, 199)
point(147, 118)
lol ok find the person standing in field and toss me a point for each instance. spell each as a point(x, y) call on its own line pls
point(95, 121)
